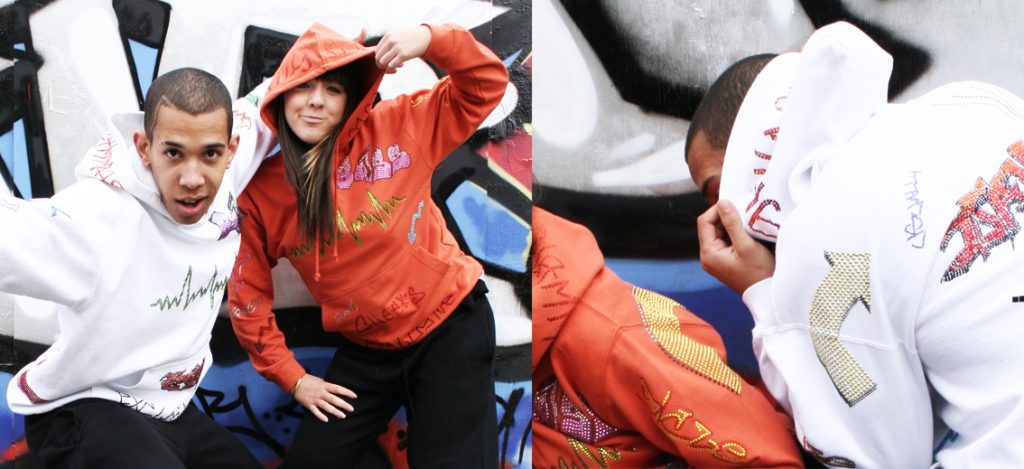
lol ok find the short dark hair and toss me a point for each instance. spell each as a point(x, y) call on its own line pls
point(188, 89)
point(717, 110)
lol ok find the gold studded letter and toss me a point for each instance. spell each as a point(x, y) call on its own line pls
point(846, 283)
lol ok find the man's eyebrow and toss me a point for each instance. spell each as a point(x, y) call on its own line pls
point(208, 146)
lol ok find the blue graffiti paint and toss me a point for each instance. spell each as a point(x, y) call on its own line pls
point(512, 58)
point(239, 398)
point(145, 63)
point(492, 232)
point(663, 275)
point(15, 155)
point(515, 412)
point(12, 426)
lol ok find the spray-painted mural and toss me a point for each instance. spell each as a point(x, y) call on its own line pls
point(617, 82)
point(65, 63)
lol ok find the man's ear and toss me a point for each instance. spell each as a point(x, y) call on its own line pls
point(142, 146)
point(232, 148)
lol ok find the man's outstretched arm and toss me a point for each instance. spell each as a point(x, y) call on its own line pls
point(46, 245)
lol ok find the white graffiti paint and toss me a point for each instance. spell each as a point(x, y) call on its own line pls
point(689, 43)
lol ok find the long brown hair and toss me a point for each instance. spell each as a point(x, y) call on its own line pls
point(308, 168)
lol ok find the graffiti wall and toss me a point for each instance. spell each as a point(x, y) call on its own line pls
point(617, 83)
point(66, 63)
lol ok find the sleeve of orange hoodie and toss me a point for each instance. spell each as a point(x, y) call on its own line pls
point(720, 421)
point(250, 297)
point(443, 117)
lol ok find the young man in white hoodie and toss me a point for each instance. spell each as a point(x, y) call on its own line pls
point(137, 254)
point(888, 318)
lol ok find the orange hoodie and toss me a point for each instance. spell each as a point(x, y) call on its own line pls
point(395, 272)
point(625, 377)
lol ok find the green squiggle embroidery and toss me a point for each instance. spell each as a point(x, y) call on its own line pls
point(212, 288)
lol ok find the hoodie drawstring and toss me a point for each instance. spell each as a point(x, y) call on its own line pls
point(334, 191)
point(316, 260)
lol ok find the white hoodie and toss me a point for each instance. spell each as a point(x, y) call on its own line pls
point(896, 309)
point(138, 293)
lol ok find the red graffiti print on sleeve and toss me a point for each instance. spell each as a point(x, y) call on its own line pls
point(102, 163)
point(180, 380)
point(766, 148)
point(990, 206)
point(263, 330)
point(247, 309)
point(759, 216)
point(242, 120)
point(238, 280)
point(546, 267)
point(29, 392)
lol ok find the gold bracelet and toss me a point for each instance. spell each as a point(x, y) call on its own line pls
point(296, 387)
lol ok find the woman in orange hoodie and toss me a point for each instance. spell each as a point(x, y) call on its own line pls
point(625, 377)
point(348, 203)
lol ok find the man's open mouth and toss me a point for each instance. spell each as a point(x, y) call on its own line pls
point(191, 203)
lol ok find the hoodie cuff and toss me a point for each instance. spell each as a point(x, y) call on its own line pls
point(758, 298)
point(286, 374)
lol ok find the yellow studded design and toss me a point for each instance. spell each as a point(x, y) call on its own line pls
point(846, 283)
point(663, 326)
point(583, 454)
point(697, 435)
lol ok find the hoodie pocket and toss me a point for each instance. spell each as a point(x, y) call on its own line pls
point(401, 290)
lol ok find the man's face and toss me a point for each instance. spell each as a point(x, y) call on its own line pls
point(188, 156)
point(706, 167)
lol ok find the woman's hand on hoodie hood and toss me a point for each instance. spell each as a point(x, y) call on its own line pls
point(401, 45)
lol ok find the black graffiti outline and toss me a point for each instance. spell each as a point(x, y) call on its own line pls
point(910, 61)
point(146, 22)
point(19, 93)
point(257, 431)
point(508, 423)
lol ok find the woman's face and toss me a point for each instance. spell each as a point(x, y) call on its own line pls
point(314, 109)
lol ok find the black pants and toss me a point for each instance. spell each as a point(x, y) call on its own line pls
point(95, 433)
point(445, 383)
